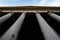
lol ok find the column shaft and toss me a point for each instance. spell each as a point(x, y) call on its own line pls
point(5, 17)
point(56, 17)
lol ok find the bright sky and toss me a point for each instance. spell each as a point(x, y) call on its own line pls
point(29, 2)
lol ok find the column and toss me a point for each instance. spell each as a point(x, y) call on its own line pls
point(5, 17)
point(48, 32)
point(12, 32)
point(54, 16)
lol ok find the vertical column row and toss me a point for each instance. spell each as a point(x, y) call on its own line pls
point(48, 32)
point(12, 32)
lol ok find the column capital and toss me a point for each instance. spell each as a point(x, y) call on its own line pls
point(49, 12)
point(12, 12)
